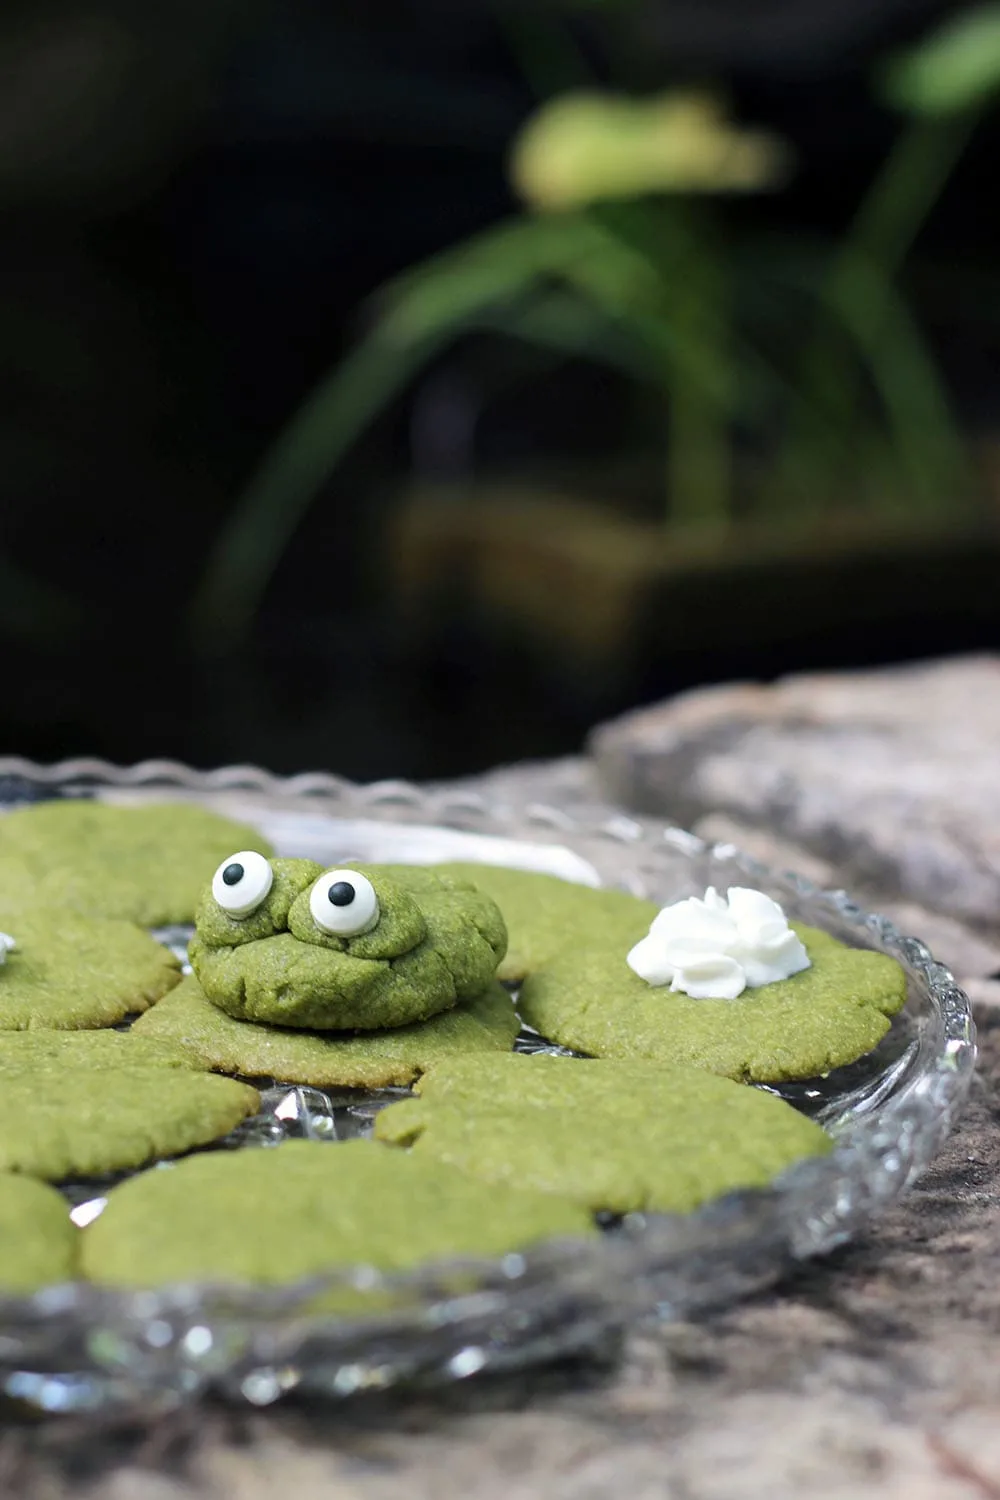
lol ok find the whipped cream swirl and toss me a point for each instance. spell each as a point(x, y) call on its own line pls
point(715, 948)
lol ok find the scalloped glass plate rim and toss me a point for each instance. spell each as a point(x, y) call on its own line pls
point(551, 1298)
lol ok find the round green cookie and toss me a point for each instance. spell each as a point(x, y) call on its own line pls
point(304, 1208)
point(143, 864)
point(436, 941)
point(612, 1136)
point(39, 1242)
point(823, 1018)
point(86, 1103)
point(69, 972)
point(373, 1059)
point(545, 914)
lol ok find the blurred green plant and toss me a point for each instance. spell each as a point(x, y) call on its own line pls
point(618, 259)
point(941, 87)
point(956, 69)
point(587, 147)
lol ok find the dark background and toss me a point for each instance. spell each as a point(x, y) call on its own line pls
point(194, 202)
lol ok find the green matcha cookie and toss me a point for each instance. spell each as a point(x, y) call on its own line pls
point(304, 1208)
point(289, 944)
point(144, 864)
point(375, 1059)
point(588, 999)
point(612, 1136)
point(68, 972)
point(545, 914)
point(38, 1240)
point(86, 1103)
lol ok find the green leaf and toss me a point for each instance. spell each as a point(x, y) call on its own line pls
point(594, 145)
point(488, 278)
point(956, 68)
point(416, 316)
point(268, 512)
point(926, 438)
point(924, 449)
point(564, 323)
point(492, 267)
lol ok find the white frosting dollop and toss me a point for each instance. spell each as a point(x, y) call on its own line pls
point(715, 948)
point(7, 945)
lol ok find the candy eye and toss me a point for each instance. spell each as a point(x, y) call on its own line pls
point(241, 883)
point(344, 902)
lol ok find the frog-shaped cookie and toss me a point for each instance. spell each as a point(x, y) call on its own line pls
point(287, 943)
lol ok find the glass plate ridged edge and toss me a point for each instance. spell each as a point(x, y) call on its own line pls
point(83, 1349)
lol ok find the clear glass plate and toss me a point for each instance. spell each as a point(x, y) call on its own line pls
point(82, 1349)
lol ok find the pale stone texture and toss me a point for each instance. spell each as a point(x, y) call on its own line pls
point(983, 992)
point(891, 776)
point(969, 953)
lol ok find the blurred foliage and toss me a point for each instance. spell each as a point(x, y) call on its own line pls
point(956, 69)
point(619, 259)
point(587, 147)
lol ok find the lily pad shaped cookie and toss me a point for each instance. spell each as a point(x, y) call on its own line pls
point(143, 864)
point(39, 1242)
point(66, 971)
point(828, 1015)
point(288, 943)
point(86, 1103)
point(545, 914)
point(304, 1208)
point(364, 1059)
point(614, 1136)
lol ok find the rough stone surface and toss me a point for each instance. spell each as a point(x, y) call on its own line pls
point(983, 992)
point(891, 775)
point(971, 954)
point(762, 844)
